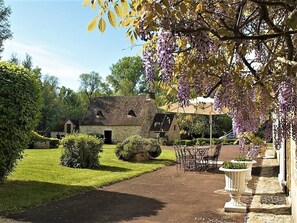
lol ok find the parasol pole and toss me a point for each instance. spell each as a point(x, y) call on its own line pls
point(210, 131)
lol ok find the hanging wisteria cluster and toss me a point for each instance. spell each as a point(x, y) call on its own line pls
point(165, 50)
point(149, 62)
point(201, 42)
point(286, 114)
point(183, 91)
point(246, 70)
point(144, 33)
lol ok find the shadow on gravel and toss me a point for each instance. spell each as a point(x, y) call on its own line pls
point(93, 206)
point(273, 173)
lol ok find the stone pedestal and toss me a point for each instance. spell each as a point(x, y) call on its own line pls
point(235, 186)
point(248, 191)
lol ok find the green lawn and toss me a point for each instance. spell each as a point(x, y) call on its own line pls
point(39, 178)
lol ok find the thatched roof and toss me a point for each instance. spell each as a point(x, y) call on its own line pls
point(118, 110)
point(162, 122)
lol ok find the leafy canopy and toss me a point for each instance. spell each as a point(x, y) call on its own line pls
point(128, 76)
point(243, 53)
point(92, 84)
point(5, 32)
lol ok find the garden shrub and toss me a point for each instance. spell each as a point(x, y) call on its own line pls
point(54, 143)
point(81, 151)
point(133, 146)
point(20, 103)
point(35, 138)
point(154, 148)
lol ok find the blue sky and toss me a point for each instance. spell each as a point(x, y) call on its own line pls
point(55, 34)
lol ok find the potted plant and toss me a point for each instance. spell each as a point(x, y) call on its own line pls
point(248, 161)
point(235, 185)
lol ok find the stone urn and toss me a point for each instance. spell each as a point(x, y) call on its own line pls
point(235, 186)
point(248, 176)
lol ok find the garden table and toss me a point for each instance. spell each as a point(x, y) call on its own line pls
point(197, 155)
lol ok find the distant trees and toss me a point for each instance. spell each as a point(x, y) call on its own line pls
point(128, 76)
point(194, 126)
point(5, 32)
point(91, 84)
point(58, 103)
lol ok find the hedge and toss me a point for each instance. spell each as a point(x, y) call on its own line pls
point(20, 102)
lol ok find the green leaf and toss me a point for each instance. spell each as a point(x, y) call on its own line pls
point(102, 25)
point(118, 10)
point(92, 24)
point(124, 6)
point(93, 5)
point(166, 3)
point(111, 18)
point(100, 3)
point(183, 7)
point(86, 2)
point(126, 22)
point(158, 9)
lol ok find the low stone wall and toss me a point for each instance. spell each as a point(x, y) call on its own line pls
point(41, 145)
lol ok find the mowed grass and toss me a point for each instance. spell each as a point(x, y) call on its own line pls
point(39, 178)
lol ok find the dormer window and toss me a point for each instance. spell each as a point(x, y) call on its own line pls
point(99, 114)
point(131, 113)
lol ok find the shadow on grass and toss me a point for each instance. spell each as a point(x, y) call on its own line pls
point(91, 206)
point(157, 161)
point(16, 195)
point(112, 168)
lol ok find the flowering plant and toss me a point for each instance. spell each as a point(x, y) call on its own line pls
point(230, 165)
point(248, 138)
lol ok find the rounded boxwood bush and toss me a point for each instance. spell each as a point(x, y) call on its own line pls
point(20, 103)
point(81, 151)
point(136, 148)
point(154, 148)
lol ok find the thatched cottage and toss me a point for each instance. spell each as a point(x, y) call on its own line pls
point(65, 126)
point(118, 117)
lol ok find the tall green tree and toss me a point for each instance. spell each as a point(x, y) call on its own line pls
point(5, 32)
point(128, 76)
point(91, 84)
point(73, 105)
point(14, 59)
point(28, 62)
point(52, 108)
point(19, 108)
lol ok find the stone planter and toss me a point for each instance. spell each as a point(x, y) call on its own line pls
point(248, 177)
point(235, 186)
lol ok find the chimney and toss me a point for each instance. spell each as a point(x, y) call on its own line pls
point(150, 96)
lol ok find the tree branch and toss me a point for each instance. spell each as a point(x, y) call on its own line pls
point(214, 87)
point(274, 3)
point(285, 61)
point(241, 37)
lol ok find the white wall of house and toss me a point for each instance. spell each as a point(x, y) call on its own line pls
point(63, 133)
point(174, 131)
point(119, 133)
point(293, 191)
point(280, 156)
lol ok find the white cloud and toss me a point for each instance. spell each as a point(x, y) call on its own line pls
point(49, 60)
